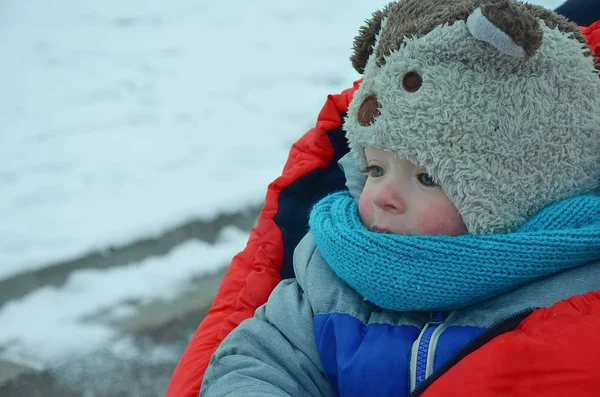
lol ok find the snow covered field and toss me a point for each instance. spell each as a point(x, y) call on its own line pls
point(122, 119)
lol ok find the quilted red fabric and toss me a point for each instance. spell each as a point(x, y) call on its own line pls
point(255, 271)
point(553, 352)
point(592, 33)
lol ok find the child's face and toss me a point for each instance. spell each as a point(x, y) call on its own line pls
point(399, 197)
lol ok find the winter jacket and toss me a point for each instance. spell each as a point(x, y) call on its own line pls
point(318, 337)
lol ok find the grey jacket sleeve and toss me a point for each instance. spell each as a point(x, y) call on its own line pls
point(272, 354)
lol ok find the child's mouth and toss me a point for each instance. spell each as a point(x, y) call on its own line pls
point(379, 229)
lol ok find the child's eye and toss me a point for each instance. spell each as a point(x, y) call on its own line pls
point(374, 171)
point(426, 180)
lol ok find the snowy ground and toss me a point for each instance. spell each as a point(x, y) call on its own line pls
point(122, 119)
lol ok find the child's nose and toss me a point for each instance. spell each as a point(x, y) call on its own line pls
point(388, 198)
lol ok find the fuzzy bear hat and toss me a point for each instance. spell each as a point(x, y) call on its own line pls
point(498, 100)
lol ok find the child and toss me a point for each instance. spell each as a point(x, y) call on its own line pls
point(469, 263)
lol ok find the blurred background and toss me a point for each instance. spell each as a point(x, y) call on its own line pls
point(137, 139)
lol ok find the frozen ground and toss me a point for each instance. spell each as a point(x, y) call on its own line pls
point(123, 118)
point(68, 311)
point(120, 120)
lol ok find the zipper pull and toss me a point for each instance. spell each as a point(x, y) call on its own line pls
point(437, 318)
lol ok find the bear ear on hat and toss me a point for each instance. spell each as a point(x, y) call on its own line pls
point(364, 42)
point(508, 26)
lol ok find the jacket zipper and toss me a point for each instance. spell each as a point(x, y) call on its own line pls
point(500, 327)
point(434, 322)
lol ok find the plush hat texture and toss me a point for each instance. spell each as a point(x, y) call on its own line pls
point(498, 100)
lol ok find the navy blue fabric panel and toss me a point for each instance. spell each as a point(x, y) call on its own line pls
point(365, 360)
point(296, 201)
point(582, 12)
point(452, 340)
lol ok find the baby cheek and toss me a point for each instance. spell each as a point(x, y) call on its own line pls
point(364, 210)
point(440, 219)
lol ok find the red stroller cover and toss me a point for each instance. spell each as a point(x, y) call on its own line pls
point(310, 173)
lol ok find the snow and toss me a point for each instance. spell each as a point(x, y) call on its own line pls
point(47, 323)
point(122, 119)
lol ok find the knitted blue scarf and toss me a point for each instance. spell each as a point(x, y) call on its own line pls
point(428, 273)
